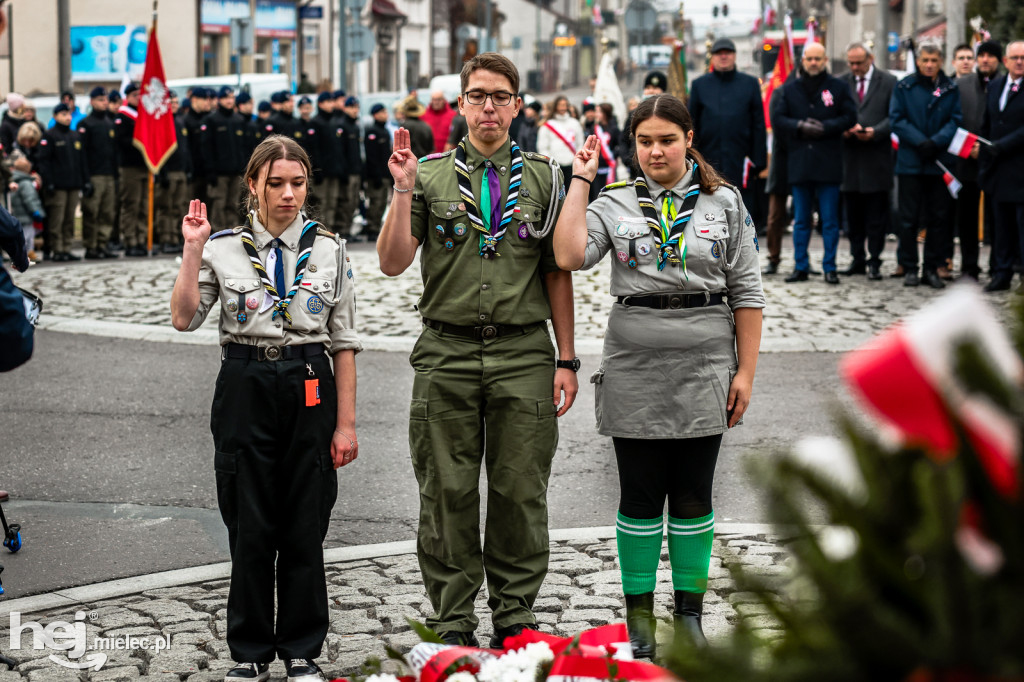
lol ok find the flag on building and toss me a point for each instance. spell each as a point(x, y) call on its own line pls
point(782, 69)
point(154, 128)
point(963, 143)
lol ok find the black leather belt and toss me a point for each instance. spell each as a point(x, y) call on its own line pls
point(244, 351)
point(482, 333)
point(674, 301)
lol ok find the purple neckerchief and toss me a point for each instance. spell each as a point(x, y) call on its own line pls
point(494, 185)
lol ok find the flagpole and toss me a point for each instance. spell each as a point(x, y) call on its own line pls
point(149, 222)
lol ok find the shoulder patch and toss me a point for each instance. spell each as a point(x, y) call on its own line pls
point(617, 185)
point(534, 156)
point(436, 155)
point(222, 233)
point(325, 233)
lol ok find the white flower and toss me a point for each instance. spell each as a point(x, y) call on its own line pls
point(520, 665)
point(460, 677)
point(382, 678)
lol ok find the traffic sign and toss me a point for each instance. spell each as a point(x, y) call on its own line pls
point(565, 41)
point(641, 16)
point(355, 5)
point(359, 42)
point(311, 12)
point(893, 42)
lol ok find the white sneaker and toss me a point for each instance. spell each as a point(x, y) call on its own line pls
point(254, 672)
point(303, 670)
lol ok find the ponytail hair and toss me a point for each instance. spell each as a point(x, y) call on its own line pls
point(671, 109)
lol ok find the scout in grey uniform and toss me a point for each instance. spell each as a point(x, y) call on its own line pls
point(486, 388)
point(282, 419)
point(678, 363)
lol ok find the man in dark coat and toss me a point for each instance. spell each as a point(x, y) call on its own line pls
point(1002, 164)
point(972, 88)
point(867, 161)
point(814, 111)
point(728, 120)
point(924, 114)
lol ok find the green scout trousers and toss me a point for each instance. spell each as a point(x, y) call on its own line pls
point(134, 206)
point(60, 214)
point(98, 212)
point(171, 205)
point(485, 402)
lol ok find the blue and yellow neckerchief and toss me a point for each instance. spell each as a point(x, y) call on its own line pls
point(668, 226)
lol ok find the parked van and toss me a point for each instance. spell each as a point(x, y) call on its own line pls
point(260, 85)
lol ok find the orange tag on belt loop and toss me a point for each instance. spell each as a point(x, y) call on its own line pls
point(312, 392)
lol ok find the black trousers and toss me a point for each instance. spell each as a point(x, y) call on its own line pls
point(1008, 249)
point(924, 204)
point(867, 215)
point(967, 226)
point(276, 486)
point(682, 470)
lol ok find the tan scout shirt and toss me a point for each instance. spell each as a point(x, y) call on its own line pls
point(459, 286)
point(721, 242)
point(227, 274)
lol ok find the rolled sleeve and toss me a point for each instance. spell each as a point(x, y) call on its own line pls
point(209, 290)
point(743, 276)
point(598, 241)
point(342, 322)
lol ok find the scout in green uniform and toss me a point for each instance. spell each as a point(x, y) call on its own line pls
point(486, 388)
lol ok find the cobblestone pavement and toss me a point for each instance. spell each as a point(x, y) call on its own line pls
point(369, 602)
point(807, 316)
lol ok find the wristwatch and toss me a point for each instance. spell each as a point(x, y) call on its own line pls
point(573, 364)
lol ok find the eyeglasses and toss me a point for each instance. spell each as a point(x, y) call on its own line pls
point(1016, 58)
point(498, 99)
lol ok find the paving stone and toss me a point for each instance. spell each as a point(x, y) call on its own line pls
point(583, 601)
point(114, 674)
point(353, 622)
point(161, 677)
point(121, 617)
point(10, 676)
point(607, 589)
point(545, 617)
point(178, 662)
point(53, 673)
point(382, 591)
point(169, 612)
point(594, 616)
point(747, 609)
point(403, 641)
point(393, 618)
point(762, 621)
point(356, 601)
point(576, 566)
point(218, 649)
point(210, 605)
point(557, 579)
point(184, 593)
point(571, 628)
point(409, 599)
point(599, 577)
point(559, 591)
point(188, 626)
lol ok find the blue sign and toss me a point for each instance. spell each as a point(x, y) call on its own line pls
point(894, 41)
point(275, 55)
point(311, 12)
point(274, 18)
point(104, 53)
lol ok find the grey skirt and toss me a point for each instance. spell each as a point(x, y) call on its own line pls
point(665, 373)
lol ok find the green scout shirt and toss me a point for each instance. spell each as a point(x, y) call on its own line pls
point(461, 287)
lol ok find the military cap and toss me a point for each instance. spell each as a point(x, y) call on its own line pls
point(225, 91)
point(656, 79)
point(98, 91)
point(243, 97)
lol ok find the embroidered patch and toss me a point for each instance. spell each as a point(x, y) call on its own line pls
point(315, 305)
point(748, 222)
point(349, 273)
point(756, 247)
point(561, 193)
point(716, 250)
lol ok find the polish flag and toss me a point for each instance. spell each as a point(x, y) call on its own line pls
point(952, 184)
point(895, 141)
point(155, 134)
point(906, 377)
point(963, 143)
point(748, 166)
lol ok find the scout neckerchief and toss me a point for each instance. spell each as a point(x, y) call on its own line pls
point(669, 225)
point(305, 247)
point(493, 223)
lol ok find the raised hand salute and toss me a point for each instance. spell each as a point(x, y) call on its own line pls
point(402, 163)
point(194, 226)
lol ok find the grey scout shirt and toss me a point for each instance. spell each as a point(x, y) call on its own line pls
point(720, 236)
point(323, 309)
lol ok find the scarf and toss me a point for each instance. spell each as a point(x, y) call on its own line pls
point(305, 248)
point(668, 226)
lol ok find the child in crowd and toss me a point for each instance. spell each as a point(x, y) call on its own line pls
point(25, 203)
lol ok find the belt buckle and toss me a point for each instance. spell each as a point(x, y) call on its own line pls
point(675, 301)
point(489, 332)
point(268, 353)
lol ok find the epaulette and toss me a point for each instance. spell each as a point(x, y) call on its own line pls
point(534, 156)
point(222, 233)
point(326, 233)
point(436, 155)
point(616, 185)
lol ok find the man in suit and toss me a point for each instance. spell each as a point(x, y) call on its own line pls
point(867, 161)
point(973, 88)
point(1002, 163)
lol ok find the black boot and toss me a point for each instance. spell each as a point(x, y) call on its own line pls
point(641, 624)
point(689, 606)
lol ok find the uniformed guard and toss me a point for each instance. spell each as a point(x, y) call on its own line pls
point(283, 121)
point(257, 127)
point(331, 173)
point(378, 150)
point(486, 386)
point(349, 144)
point(223, 145)
point(97, 132)
point(312, 137)
point(283, 419)
point(63, 168)
point(134, 176)
point(198, 110)
point(680, 349)
point(173, 180)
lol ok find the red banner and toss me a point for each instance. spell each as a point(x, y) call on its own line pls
point(154, 128)
point(783, 67)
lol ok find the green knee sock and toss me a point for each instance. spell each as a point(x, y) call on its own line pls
point(689, 551)
point(639, 543)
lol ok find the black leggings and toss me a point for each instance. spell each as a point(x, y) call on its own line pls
point(681, 469)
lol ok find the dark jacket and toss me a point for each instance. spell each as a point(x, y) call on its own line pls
point(972, 107)
point(124, 131)
point(349, 143)
point(9, 127)
point(281, 123)
point(828, 100)
point(728, 122)
point(527, 139)
point(313, 140)
point(1002, 163)
point(924, 110)
point(97, 131)
point(377, 142)
point(867, 166)
point(16, 334)
point(421, 137)
point(223, 143)
point(328, 162)
point(180, 160)
point(778, 178)
point(194, 123)
point(62, 159)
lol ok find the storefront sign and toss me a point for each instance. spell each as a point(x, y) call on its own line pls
point(274, 18)
point(104, 53)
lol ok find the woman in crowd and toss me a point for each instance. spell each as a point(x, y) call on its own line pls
point(560, 136)
point(680, 349)
point(283, 419)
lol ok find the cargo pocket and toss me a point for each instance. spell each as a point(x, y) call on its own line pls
point(449, 224)
point(240, 294)
point(712, 238)
point(313, 303)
